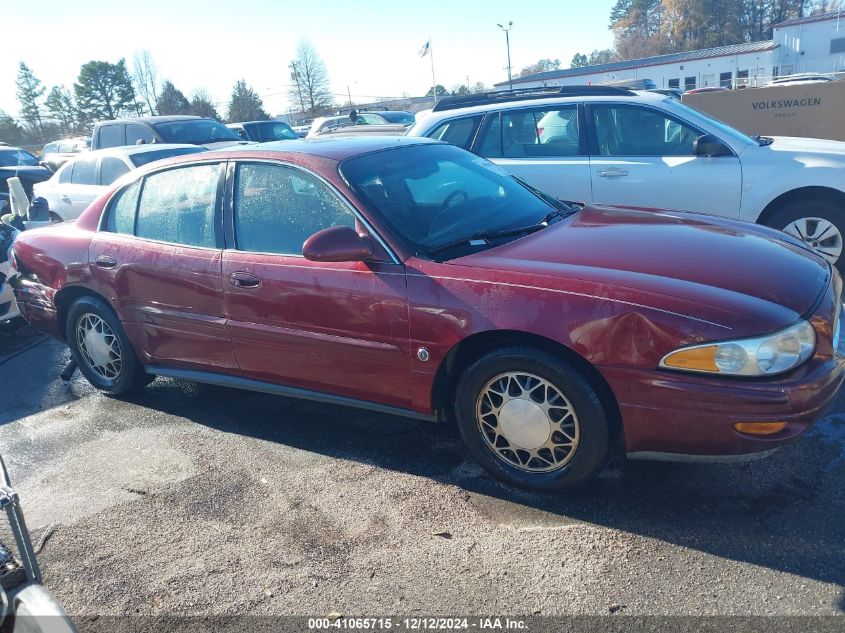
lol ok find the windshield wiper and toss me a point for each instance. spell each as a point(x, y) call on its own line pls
point(482, 237)
point(763, 141)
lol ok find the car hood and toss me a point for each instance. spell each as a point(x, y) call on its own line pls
point(799, 145)
point(26, 172)
point(732, 273)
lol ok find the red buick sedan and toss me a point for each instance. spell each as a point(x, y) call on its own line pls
point(412, 277)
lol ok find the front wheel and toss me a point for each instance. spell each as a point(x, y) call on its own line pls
point(531, 419)
point(101, 349)
point(820, 225)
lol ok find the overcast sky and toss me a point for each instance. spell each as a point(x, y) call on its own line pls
point(371, 45)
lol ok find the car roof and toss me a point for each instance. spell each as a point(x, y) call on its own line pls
point(130, 150)
point(636, 96)
point(154, 119)
point(333, 147)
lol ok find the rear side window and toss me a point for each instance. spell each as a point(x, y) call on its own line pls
point(110, 136)
point(84, 172)
point(180, 206)
point(111, 169)
point(278, 208)
point(121, 217)
point(458, 132)
point(135, 133)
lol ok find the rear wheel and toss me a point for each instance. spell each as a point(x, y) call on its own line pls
point(531, 419)
point(820, 225)
point(101, 349)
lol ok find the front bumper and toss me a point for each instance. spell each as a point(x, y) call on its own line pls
point(683, 417)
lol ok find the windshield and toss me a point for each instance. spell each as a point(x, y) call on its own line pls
point(17, 158)
point(272, 131)
point(404, 118)
point(432, 195)
point(148, 157)
point(195, 131)
point(723, 127)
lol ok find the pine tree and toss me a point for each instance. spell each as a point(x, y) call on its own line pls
point(245, 104)
point(104, 91)
point(29, 91)
point(202, 105)
point(62, 109)
point(172, 101)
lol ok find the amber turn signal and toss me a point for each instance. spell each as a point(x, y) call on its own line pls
point(693, 358)
point(760, 428)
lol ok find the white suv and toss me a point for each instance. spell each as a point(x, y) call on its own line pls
point(613, 146)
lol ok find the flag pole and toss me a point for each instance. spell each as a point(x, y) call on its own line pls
point(433, 81)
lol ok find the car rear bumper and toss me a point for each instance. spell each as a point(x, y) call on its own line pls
point(35, 302)
point(681, 417)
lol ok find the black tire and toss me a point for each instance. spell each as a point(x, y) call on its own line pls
point(130, 375)
point(795, 211)
point(591, 450)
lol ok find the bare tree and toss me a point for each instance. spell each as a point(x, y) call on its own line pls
point(311, 80)
point(145, 76)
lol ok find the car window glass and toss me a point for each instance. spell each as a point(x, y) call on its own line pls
point(277, 208)
point(178, 205)
point(458, 132)
point(121, 218)
point(66, 173)
point(65, 148)
point(490, 142)
point(533, 133)
point(83, 172)
point(110, 136)
point(135, 133)
point(111, 169)
point(49, 148)
point(635, 131)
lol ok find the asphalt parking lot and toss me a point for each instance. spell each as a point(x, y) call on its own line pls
point(191, 499)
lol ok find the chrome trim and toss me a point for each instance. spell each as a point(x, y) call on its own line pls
point(575, 294)
point(224, 380)
point(657, 456)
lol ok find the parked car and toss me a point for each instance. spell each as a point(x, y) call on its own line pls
point(302, 130)
point(57, 153)
point(323, 124)
point(193, 130)
point(800, 79)
point(644, 149)
point(397, 116)
point(263, 131)
point(675, 93)
point(78, 182)
point(705, 89)
point(15, 161)
point(411, 277)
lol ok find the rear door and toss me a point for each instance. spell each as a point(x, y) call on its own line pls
point(158, 258)
point(545, 146)
point(76, 188)
point(338, 328)
point(643, 157)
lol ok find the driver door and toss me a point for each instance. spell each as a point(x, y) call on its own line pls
point(339, 327)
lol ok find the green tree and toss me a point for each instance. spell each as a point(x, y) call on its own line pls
point(245, 104)
point(441, 91)
point(202, 105)
point(459, 89)
point(579, 60)
point(311, 88)
point(29, 92)
point(10, 131)
point(104, 91)
point(479, 87)
point(172, 101)
point(541, 66)
point(62, 109)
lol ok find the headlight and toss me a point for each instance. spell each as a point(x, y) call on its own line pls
point(760, 356)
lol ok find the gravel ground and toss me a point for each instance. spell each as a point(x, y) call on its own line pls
point(191, 499)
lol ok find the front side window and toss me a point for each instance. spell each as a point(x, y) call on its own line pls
point(277, 208)
point(635, 131)
point(136, 133)
point(180, 206)
point(111, 169)
point(65, 173)
point(459, 132)
point(110, 135)
point(121, 218)
point(84, 172)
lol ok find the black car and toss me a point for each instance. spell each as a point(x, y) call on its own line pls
point(264, 131)
point(18, 162)
point(193, 130)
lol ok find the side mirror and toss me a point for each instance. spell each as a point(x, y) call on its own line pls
point(337, 244)
point(709, 145)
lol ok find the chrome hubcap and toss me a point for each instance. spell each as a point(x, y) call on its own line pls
point(821, 235)
point(527, 422)
point(98, 346)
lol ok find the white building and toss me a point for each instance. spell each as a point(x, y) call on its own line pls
point(812, 44)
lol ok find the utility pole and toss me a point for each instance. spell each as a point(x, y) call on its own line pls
point(508, 44)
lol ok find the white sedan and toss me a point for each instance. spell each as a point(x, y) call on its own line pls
point(79, 181)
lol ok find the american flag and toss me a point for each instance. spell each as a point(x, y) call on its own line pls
point(425, 48)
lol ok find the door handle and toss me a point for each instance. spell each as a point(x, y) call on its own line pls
point(613, 172)
point(242, 279)
point(66, 199)
point(105, 261)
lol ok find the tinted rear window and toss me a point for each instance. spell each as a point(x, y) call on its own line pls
point(195, 131)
